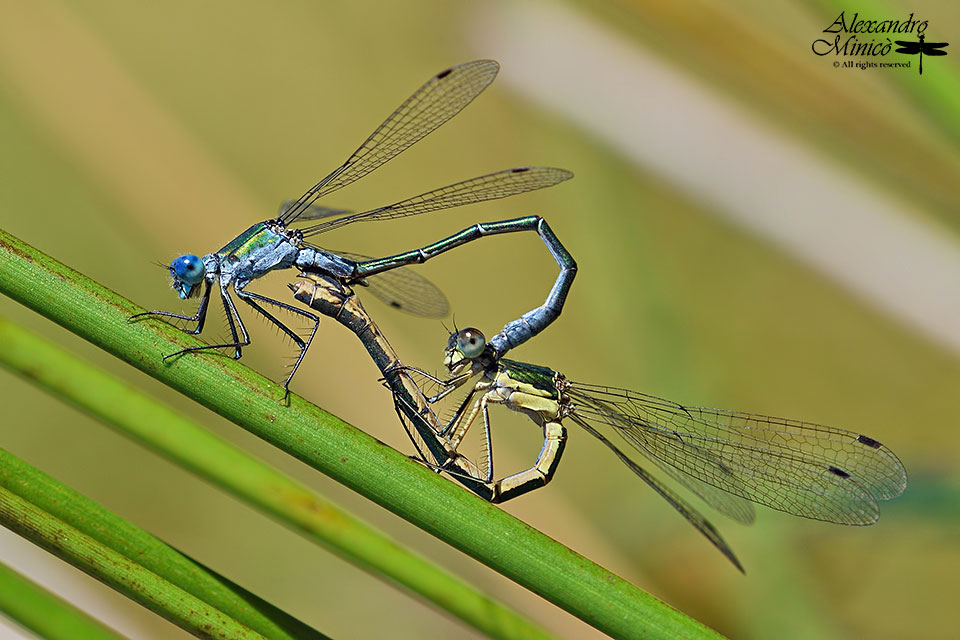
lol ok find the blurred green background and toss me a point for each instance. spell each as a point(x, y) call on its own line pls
point(134, 133)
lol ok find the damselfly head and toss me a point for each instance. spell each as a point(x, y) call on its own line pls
point(187, 272)
point(464, 345)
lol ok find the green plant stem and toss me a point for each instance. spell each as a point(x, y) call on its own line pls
point(151, 553)
point(45, 614)
point(186, 443)
point(108, 566)
point(346, 454)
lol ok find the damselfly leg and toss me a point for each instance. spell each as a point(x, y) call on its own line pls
point(199, 317)
point(233, 322)
point(303, 344)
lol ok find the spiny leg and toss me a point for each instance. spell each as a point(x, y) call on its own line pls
point(554, 440)
point(487, 441)
point(417, 432)
point(447, 458)
point(542, 471)
point(231, 311)
point(447, 385)
point(415, 411)
point(199, 317)
point(456, 430)
point(470, 475)
point(410, 401)
point(249, 297)
point(466, 471)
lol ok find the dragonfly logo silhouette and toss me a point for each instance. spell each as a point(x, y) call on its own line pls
point(921, 48)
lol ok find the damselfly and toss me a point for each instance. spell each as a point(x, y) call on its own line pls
point(728, 458)
point(273, 244)
point(333, 298)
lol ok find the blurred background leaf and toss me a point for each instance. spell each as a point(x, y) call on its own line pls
point(44, 613)
point(133, 133)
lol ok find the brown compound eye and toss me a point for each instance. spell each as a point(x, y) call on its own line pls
point(470, 342)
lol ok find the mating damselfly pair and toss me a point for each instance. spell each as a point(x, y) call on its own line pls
point(729, 459)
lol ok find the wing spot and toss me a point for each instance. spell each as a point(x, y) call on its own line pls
point(838, 471)
point(870, 442)
point(444, 74)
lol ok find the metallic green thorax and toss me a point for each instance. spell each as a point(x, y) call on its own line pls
point(541, 378)
point(250, 241)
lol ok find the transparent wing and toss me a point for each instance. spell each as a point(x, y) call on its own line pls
point(693, 516)
point(492, 186)
point(804, 469)
point(730, 505)
point(404, 289)
point(312, 212)
point(442, 97)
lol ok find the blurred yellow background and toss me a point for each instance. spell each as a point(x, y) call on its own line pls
point(733, 214)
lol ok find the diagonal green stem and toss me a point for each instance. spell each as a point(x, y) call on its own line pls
point(136, 545)
point(46, 614)
point(186, 443)
point(349, 456)
point(127, 577)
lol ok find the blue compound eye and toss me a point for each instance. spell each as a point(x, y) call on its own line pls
point(470, 342)
point(188, 269)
